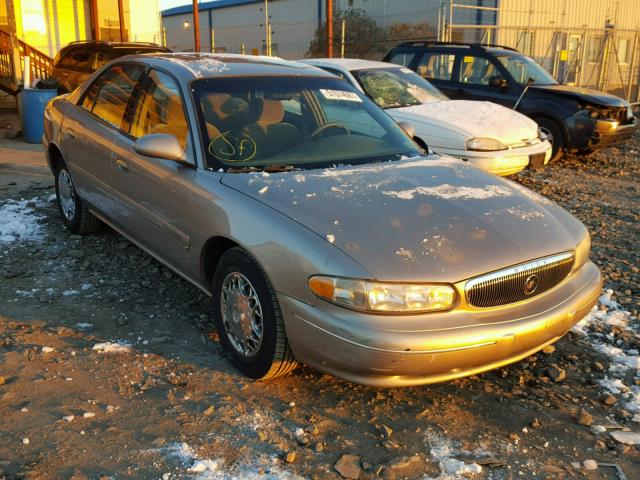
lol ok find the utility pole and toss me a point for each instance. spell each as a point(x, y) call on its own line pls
point(196, 27)
point(123, 36)
point(330, 28)
point(342, 37)
point(267, 29)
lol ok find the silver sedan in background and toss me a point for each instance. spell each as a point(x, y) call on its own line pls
point(321, 231)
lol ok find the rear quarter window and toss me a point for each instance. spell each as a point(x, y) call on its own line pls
point(402, 58)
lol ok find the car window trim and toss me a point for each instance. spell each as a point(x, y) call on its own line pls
point(127, 119)
point(80, 102)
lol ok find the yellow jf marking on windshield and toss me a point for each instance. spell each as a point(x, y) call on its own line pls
point(233, 146)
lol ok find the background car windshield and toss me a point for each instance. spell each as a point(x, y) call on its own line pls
point(397, 87)
point(522, 68)
point(304, 122)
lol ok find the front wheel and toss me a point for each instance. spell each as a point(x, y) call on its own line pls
point(75, 215)
point(554, 134)
point(248, 317)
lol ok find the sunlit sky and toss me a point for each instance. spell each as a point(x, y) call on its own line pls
point(164, 4)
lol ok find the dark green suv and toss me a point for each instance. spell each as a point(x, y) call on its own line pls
point(574, 119)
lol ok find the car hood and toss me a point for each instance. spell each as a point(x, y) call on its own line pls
point(420, 219)
point(471, 119)
point(582, 95)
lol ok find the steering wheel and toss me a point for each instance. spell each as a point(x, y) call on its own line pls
point(326, 126)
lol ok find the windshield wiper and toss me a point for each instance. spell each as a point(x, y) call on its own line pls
point(268, 169)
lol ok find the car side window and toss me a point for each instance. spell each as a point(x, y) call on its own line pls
point(476, 70)
point(109, 94)
point(437, 66)
point(402, 58)
point(159, 109)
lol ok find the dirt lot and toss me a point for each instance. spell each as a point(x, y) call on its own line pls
point(109, 368)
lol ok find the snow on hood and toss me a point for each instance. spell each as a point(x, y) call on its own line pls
point(435, 217)
point(471, 119)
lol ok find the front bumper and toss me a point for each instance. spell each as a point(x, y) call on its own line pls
point(505, 162)
point(403, 351)
point(607, 134)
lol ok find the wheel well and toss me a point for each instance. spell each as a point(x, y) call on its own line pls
point(54, 157)
point(213, 249)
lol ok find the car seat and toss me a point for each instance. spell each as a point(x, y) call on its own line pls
point(269, 133)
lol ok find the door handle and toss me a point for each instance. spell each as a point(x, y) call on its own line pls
point(121, 165)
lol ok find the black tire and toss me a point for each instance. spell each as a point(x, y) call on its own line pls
point(555, 135)
point(79, 221)
point(274, 356)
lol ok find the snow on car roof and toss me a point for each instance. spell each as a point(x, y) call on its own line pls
point(349, 63)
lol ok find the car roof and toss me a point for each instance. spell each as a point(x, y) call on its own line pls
point(92, 43)
point(349, 63)
point(203, 65)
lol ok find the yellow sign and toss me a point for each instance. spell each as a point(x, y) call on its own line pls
point(468, 59)
point(564, 55)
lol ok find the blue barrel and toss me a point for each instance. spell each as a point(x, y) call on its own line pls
point(32, 103)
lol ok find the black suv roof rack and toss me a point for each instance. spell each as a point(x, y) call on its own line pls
point(478, 46)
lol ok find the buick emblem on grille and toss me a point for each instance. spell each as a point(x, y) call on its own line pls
point(531, 284)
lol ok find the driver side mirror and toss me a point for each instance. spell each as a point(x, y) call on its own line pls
point(160, 145)
point(408, 128)
point(498, 82)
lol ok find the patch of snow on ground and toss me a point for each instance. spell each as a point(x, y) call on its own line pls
point(19, 220)
point(444, 452)
point(200, 468)
point(452, 192)
point(622, 360)
point(112, 347)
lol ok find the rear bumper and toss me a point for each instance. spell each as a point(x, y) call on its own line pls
point(477, 340)
point(505, 162)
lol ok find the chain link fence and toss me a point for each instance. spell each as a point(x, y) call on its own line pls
point(605, 59)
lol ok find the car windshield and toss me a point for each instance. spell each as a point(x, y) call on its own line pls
point(293, 122)
point(523, 68)
point(395, 87)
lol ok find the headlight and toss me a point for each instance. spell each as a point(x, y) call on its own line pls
point(383, 297)
point(485, 145)
point(582, 252)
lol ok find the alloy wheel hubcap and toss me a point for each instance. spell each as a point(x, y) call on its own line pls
point(241, 314)
point(66, 194)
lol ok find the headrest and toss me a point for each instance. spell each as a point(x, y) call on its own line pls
point(269, 112)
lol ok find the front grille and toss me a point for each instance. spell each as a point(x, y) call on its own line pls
point(518, 283)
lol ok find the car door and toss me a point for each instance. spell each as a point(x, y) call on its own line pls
point(154, 194)
point(438, 68)
point(473, 80)
point(89, 129)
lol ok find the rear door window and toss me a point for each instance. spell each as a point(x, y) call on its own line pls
point(108, 96)
point(438, 66)
point(80, 59)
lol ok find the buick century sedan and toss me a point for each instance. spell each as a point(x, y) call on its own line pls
point(322, 233)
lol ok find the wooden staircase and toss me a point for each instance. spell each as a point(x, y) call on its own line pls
point(40, 62)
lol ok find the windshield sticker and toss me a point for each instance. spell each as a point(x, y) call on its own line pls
point(468, 59)
point(233, 146)
point(340, 95)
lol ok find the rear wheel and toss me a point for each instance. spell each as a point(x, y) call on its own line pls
point(554, 134)
point(75, 215)
point(248, 317)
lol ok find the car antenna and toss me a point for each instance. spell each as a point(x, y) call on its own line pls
point(526, 87)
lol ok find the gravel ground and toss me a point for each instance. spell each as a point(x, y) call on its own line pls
point(109, 368)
